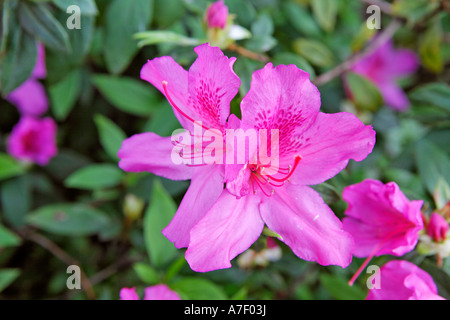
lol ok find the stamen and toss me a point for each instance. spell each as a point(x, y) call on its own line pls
point(291, 171)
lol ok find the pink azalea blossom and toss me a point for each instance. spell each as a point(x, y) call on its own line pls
point(381, 219)
point(437, 227)
point(33, 140)
point(403, 280)
point(384, 67)
point(30, 97)
point(217, 224)
point(157, 292)
point(217, 15)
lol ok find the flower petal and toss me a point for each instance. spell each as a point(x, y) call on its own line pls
point(230, 227)
point(404, 62)
point(206, 187)
point(212, 85)
point(307, 225)
point(328, 145)
point(394, 96)
point(281, 98)
point(152, 153)
point(30, 98)
point(128, 294)
point(160, 292)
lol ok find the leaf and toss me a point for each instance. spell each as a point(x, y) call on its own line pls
point(365, 94)
point(69, 219)
point(123, 20)
point(127, 94)
point(111, 136)
point(9, 167)
point(16, 199)
point(7, 238)
point(292, 58)
point(314, 51)
point(7, 276)
point(339, 288)
point(160, 212)
point(301, 20)
point(198, 289)
point(441, 194)
point(95, 176)
point(155, 37)
point(432, 163)
point(440, 277)
point(87, 7)
point(37, 20)
point(435, 94)
point(64, 94)
point(168, 12)
point(146, 273)
point(430, 48)
point(325, 12)
point(19, 60)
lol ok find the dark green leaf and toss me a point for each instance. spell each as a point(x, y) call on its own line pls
point(339, 288)
point(434, 94)
point(111, 136)
point(7, 276)
point(64, 94)
point(7, 238)
point(9, 167)
point(198, 289)
point(146, 273)
point(87, 7)
point(16, 199)
point(95, 176)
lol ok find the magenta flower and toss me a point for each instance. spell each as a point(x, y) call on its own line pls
point(30, 97)
point(384, 67)
point(217, 224)
point(313, 147)
point(381, 219)
point(403, 280)
point(217, 15)
point(33, 140)
point(437, 227)
point(157, 292)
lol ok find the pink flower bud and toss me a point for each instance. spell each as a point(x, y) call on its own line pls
point(437, 227)
point(217, 15)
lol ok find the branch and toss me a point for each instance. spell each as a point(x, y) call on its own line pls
point(247, 53)
point(387, 34)
point(63, 256)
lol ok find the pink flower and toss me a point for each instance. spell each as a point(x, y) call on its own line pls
point(157, 292)
point(437, 227)
point(217, 224)
point(217, 15)
point(33, 140)
point(384, 67)
point(30, 97)
point(403, 280)
point(313, 147)
point(381, 219)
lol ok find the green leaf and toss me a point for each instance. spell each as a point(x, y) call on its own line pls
point(325, 12)
point(432, 163)
point(9, 167)
point(7, 238)
point(441, 194)
point(19, 59)
point(146, 273)
point(413, 10)
point(16, 199)
point(7, 276)
point(292, 58)
point(123, 20)
point(301, 20)
point(95, 176)
point(198, 289)
point(430, 48)
point(168, 12)
point(339, 288)
point(155, 37)
point(87, 7)
point(365, 94)
point(111, 136)
point(434, 94)
point(64, 94)
point(37, 20)
point(160, 212)
point(127, 94)
point(314, 51)
point(69, 219)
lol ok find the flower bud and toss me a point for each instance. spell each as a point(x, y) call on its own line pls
point(217, 15)
point(437, 227)
point(133, 207)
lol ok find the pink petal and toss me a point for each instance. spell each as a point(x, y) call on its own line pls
point(40, 70)
point(167, 69)
point(212, 85)
point(230, 227)
point(394, 96)
point(206, 187)
point(328, 145)
point(152, 153)
point(404, 62)
point(160, 292)
point(281, 98)
point(128, 294)
point(30, 98)
point(307, 225)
